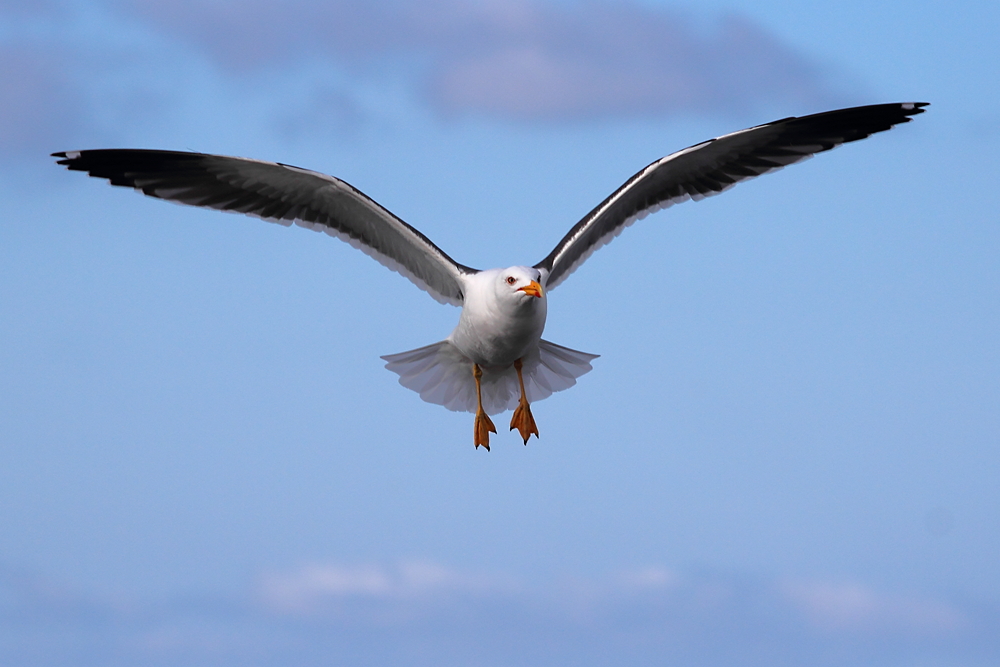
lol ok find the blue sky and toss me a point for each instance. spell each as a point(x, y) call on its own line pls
point(786, 454)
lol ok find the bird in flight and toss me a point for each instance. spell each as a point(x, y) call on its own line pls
point(495, 359)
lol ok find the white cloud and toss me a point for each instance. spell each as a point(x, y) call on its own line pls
point(388, 614)
point(301, 590)
point(650, 578)
point(852, 606)
point(312, 587)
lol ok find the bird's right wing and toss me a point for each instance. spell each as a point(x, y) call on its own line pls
point(714, 166)
point(283, 194)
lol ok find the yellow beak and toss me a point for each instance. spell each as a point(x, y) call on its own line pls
point(532, 288)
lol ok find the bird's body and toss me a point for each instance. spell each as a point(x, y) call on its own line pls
point(495, 359)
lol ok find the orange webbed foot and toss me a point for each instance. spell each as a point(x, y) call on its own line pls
point(482, 429)
point(523, 421)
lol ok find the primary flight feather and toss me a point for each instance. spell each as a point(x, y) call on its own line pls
point(495, 359)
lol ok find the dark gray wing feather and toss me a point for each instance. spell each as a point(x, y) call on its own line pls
point(284, 194)
point(714, 166)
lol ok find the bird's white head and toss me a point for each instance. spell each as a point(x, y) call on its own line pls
point(519, 284)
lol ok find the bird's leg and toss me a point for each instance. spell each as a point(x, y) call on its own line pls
point(484, 425)
point(522, 419)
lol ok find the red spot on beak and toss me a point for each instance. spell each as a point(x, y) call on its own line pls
point(532, 288)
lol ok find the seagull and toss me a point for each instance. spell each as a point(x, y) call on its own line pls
point(495, 359)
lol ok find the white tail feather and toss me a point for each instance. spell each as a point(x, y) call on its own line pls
point(443, 375)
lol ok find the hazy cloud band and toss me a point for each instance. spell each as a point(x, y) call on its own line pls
point(525, 60)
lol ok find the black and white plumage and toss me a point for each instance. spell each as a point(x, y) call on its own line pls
point(502, 316)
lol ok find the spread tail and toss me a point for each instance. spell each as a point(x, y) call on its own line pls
point(443, 375)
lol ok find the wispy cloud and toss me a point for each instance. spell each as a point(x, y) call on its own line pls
point(517, 59)
point(73, 72)
point(853, 606)
point(427, 613)
point(312, 589)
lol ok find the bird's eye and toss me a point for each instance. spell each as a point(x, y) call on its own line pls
point(511, 280)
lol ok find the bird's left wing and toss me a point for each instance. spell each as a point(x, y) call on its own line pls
point(283, 194)
point(714, 166)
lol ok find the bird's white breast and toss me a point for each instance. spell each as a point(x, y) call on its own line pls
point(496, 331)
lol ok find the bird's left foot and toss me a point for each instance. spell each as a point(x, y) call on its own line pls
point(523, 421)
point(482, 429)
